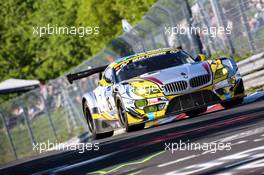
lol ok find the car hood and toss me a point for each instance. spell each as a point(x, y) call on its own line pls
point(177, 73)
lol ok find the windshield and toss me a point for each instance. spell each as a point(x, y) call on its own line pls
point(145, 64)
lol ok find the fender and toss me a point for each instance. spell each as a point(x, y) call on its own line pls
point(101, 126)
point(231, 64)
point(90, 98)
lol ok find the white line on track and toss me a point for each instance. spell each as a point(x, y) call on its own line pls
point(176, 161)
point(258, 140)
point(240, 142)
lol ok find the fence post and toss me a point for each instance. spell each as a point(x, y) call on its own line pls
point(70, 113)
point(242, 10)
point(49, 118)
point(80, 90)
point(195, 39)
point(218, 10)
point(31, 135)
point(9, 136)
point(73, 107)
point(206, 23)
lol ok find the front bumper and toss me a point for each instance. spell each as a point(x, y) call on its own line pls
point(191, 101)
point(176, 104)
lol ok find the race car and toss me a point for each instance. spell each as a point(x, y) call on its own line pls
point(157, 84)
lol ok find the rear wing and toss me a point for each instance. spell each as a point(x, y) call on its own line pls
point(85, 73)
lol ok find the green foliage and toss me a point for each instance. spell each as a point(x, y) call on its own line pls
point(24, 55)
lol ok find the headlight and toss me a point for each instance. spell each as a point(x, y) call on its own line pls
point(221, 72)
point(141, 103)
point(152, 108)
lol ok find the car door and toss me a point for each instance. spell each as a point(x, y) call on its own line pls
point(105, 96)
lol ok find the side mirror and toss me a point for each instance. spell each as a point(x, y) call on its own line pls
point(200, 57)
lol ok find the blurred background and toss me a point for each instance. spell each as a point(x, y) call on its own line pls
point(48, 108)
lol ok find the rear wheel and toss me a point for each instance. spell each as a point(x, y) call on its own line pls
point(92, 127)
point(196, 112)
point(123, 119)
point(232, 103)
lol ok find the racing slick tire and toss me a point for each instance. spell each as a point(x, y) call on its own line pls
point(196, 112)
point(122, 115)
point(92, 127)
point(232, 103)
point(238, 100)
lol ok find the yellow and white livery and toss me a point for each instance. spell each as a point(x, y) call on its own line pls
point(157, 84)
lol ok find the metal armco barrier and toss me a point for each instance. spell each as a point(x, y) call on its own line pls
point(252, 71)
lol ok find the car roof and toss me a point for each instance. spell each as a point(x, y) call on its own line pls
point(126, 59)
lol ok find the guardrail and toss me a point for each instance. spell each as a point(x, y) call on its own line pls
point(252, 71)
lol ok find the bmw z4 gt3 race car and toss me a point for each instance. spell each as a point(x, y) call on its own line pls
point(157, 84)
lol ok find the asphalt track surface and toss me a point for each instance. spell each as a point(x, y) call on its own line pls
point(155, 150)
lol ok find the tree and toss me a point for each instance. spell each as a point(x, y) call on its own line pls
point(24, 54)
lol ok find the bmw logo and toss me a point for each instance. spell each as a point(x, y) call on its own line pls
point(184, 75)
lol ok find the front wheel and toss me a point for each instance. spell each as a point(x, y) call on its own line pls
point(124, 121)
point(232, 103)
point(92, 127)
